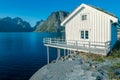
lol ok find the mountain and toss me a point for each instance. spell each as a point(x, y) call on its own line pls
point(52, 24)
point(38, 23)
point(9, 24)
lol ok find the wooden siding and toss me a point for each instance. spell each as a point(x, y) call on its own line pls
point(97, 23)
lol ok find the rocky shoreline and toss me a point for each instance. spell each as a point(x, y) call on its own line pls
point(79, 67)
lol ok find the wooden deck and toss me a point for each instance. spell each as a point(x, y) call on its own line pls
point(91, 47)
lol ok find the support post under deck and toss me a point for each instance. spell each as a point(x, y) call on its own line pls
point(58, 53)
point(64, 52)
point(47, 55)
point(68, 52)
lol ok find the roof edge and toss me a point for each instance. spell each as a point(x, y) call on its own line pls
point(72, 13)
point(79, 7)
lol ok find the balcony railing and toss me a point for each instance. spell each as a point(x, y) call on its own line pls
point(85, 46)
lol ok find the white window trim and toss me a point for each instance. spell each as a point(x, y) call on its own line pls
point(84, 17)
point(84, 33)
point(84, 14)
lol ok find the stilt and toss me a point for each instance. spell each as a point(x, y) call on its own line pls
point(64, 52)
point(74, 52)
point(58, 53)
point(68, 52)
point(47, 55)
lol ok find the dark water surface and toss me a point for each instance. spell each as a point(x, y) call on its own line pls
point(22, 54)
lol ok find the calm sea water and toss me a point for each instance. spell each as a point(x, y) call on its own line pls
point(22, 54)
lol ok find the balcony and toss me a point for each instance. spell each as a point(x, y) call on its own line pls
point(102, 48)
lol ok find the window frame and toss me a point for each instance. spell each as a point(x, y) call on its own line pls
point(82, 34)
point(84, 17)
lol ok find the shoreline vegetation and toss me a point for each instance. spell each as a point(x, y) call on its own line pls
point(82, 66)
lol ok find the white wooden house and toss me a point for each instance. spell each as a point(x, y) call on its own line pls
point(89, 23)
point(88, 29)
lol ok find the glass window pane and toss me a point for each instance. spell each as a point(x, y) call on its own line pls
point(86, 35)
point(84, 17)
point(82, 34)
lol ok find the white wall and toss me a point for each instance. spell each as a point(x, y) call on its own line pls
point(97, 23)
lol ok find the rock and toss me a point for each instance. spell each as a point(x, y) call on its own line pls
point(70, 59)
point(80, 62)
point(94, 66)
point(77, 69)
point(117, 72)
point(53, 61)
point(99, 78)
point(100, 75)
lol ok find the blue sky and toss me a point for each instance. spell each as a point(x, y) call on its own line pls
point(35, 10)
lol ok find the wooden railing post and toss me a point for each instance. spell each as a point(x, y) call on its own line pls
point(49, 40)
point(57, 41)
point(77, 45)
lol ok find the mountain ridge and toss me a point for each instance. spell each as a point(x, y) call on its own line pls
point(52, 23)
point(8, 24)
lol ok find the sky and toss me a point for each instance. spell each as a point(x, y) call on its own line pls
point(35, 10)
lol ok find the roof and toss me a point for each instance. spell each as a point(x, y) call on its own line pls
point(81, 6)
point(100, 9)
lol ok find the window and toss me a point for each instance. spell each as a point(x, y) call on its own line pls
point(84, 17)
point(86, 35)
point(82, 34)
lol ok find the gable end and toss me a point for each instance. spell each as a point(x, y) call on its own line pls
point(67, 19)
point(81, 7)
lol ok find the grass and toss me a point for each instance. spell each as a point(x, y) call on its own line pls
point(115, 52)
point(100, 59)
point(111, 73)
point(112, 76)
point(94, 57)
point(116, 65)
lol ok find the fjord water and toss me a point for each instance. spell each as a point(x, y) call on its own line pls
point(22, 54)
